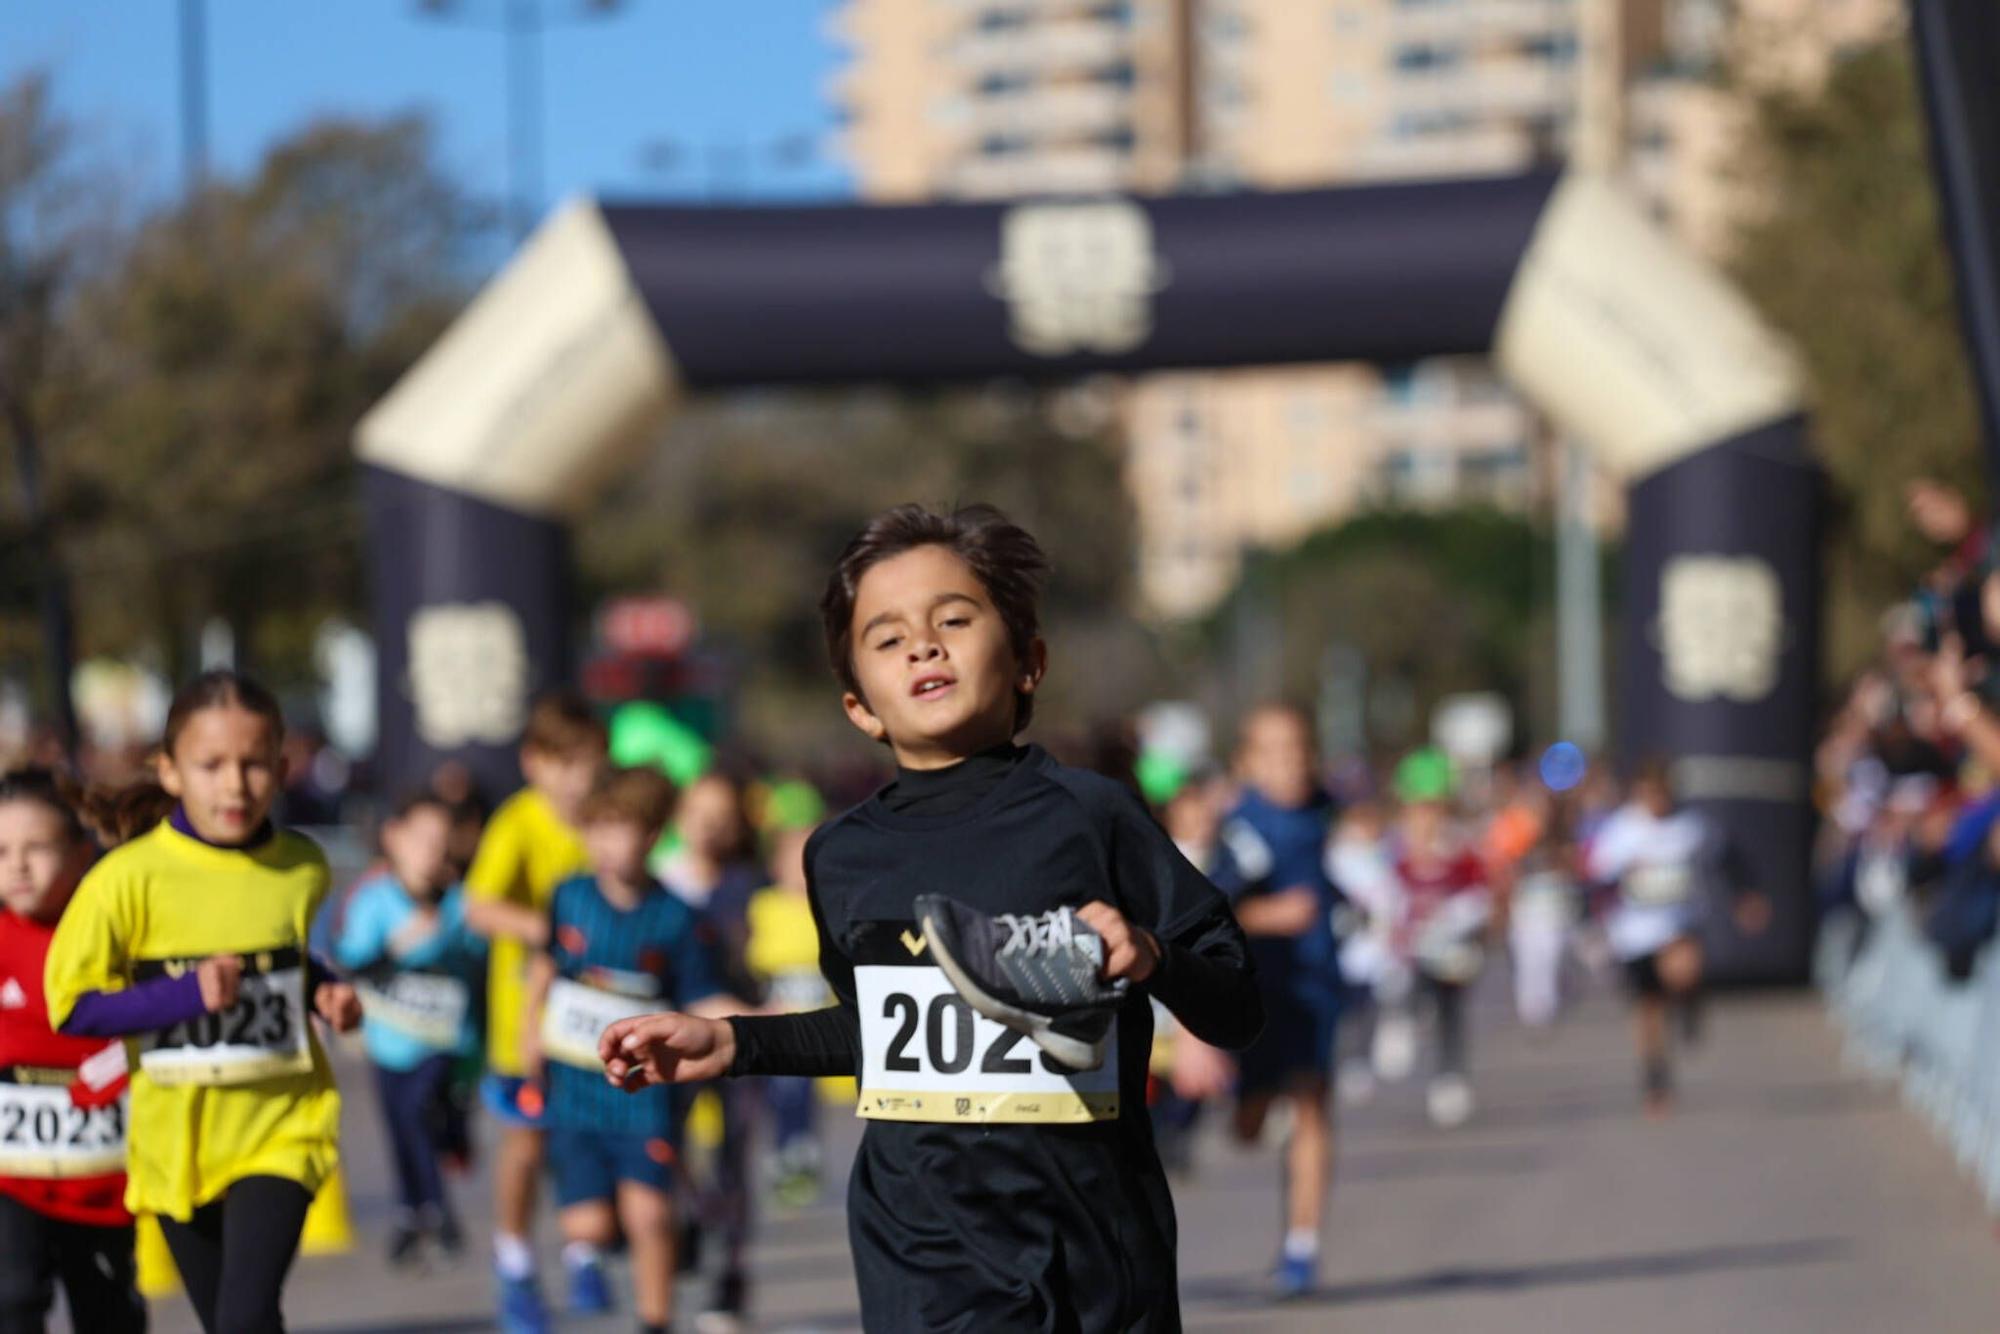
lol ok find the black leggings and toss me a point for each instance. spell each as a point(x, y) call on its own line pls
point(1448, 1006)
point(235, 1252)
point(94, 1264)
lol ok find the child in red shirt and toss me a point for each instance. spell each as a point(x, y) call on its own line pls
point(62, 1110)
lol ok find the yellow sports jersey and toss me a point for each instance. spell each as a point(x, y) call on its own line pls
point(236, 1094)
point(783, 938)
point(524, 854)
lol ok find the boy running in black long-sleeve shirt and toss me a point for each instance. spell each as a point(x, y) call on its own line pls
point(994, 1188)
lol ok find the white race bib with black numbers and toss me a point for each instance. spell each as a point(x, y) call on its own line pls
point(928, 1056)
point(262, 1036)
point(45, 1135)
point(1661, 886)
point(575, 1017)
point(428, 1007)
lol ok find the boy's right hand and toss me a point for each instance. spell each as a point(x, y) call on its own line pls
point(219, 976)
point(666, 1049)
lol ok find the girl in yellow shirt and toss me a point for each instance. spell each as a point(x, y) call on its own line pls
point(190, 942)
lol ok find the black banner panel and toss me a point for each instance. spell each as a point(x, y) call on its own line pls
point(1719, 660)
point(1958, 50)
point(472, 607)
point(1064, 287)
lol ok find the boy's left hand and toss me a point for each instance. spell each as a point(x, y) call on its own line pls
point(336, 1003)
point(1129, 951)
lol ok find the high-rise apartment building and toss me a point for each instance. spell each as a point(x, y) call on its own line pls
point(1001, 98)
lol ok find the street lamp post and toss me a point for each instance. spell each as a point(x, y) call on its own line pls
point(522, 24)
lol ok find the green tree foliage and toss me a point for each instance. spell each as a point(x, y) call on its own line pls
point(205, 456)
point(1845, 254)
point(742, 509)
point(1432, 602)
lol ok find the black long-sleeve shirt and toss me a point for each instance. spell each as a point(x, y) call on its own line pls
point(1003, 1224)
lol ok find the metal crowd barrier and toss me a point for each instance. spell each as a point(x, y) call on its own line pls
point(1906, 1021)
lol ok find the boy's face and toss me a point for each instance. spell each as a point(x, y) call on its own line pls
point(563, 779)
point(1277, 756)
point(710, 818)
point(419, 850)
point(1193, 817)
point(1425, 824)
point(1653, 795)
point(937, 674)
point(618, 846)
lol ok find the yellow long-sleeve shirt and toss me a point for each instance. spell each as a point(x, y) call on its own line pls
point(159, 903)
point(526, 851)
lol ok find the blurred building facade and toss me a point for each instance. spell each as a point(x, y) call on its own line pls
point(978, 99)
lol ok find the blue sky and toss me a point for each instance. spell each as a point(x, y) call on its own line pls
point(738, 74)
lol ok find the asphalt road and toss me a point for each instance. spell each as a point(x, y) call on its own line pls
point(1785, 1195)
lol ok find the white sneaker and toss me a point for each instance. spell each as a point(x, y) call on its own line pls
point(1356, 1083)
point(1395, 1047)
point(1449, 1102)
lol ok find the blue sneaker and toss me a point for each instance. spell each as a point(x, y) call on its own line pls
point(521, 1310)
point(1294, 1278)
point(589, 1293)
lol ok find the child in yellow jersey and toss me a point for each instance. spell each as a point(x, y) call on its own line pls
point(530, 846)
point(783, 953)
point(190, 941)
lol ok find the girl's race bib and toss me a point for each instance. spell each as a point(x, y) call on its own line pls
point(262, 1036)
point(45, 1135)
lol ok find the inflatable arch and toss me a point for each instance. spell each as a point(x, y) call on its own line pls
point(578, 350)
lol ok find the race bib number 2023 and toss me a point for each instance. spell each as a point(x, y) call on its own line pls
point(264, 1035)
point(926, 1055)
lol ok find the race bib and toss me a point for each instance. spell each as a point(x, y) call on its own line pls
point(801, 990)
point(45, 1135)
point(1659, 886)
point(576, 1015)
point(262, 1036)
point(926, 1055)
point(1545, 897)
point(428, 1007)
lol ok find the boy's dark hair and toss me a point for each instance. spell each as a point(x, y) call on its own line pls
point(1002, 555)
point(561, 723)
point(412, 801)
point(644, 797)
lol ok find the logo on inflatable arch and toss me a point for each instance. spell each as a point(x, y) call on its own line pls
point(468, 673)
point(1721, 627)
point(1078, 277)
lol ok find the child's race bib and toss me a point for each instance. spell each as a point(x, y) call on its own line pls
point(803, 989)
point(575, 1017)
point(926, 1055)
point(45, 1135)
point(1659, 886)
point(262, 1036)
point(428, 1007)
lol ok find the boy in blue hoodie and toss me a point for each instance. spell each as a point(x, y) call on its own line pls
point(1277, 834)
